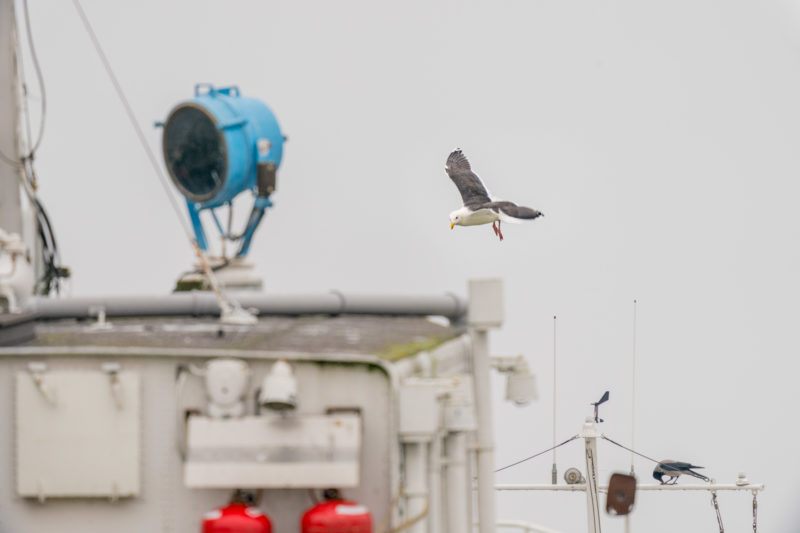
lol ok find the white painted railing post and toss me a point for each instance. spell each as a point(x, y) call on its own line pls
point(590, 435)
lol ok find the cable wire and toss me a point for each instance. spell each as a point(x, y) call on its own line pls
point(39, 77)
point(716, 509)
point(228, 306)
point(9, 161)
point(538, 454)
point(131, 117)
point(629, 449)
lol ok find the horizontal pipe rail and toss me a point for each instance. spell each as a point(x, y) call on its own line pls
point(580, 487)
point(527, 486)
point(204, 303)
point(526, 527)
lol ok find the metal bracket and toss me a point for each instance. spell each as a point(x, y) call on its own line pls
point(38, 370)
point(100, 312)
point(113, 369)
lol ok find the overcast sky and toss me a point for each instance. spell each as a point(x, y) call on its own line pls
point(659, 139)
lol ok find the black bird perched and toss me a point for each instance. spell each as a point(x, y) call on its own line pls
point(673, 470)
point(479, 206)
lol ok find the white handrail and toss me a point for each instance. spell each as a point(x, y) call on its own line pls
point(604, 488)
point(526, 527)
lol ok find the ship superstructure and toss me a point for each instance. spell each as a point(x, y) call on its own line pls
point(220, 404)
point(149, 416)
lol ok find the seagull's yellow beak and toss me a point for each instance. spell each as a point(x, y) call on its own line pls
point(452, 225)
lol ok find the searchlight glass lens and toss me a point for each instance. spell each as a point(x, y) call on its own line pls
point(194, 152)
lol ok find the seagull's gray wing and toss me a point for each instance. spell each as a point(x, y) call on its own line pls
point(511, 212)
point(469, 184)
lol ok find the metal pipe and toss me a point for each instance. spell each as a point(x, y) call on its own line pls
point(435, 515)
point(457, 482)
point(580, 487)
point(416, 485)
point(526, 527)
point(709, 487)
point(10, 168)
point(205, 303)
point(485, 446)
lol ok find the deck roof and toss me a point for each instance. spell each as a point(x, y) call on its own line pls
point(389, 337)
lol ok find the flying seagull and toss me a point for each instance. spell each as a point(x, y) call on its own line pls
point(479, 206)
point(673, 469)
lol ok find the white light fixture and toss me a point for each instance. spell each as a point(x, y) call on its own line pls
point(226, 384)
point(521, 388)
point(279, 388)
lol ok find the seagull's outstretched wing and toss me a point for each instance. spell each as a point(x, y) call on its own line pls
point(469, 184)
point(511, 212)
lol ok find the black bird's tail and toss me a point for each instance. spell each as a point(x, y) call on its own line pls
point(698, 476)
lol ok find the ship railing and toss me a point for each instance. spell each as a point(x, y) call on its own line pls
point(580, 487)
point(523, 526)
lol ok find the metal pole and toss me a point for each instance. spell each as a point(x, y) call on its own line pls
point(457, 483)
point(592, 502)
point(435, 485)
point(485, 446)
point(416, 486)
point(10, 199)
point(754, 487)
point(554, 472)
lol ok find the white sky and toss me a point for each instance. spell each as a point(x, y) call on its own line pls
point(659, 139)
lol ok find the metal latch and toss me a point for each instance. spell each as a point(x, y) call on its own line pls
point(113, 369)
point(38, 370)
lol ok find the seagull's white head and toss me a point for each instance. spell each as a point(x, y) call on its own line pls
point(458, 216)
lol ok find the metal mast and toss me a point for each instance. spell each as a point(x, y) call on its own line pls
point(10, 168)
point(485, 313)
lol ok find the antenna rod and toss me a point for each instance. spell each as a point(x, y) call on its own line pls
point(555, 470)
point(633, 386)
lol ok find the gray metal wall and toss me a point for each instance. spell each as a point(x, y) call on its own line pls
point(164, 504)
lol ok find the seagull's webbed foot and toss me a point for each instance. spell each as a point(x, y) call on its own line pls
point(499, 232)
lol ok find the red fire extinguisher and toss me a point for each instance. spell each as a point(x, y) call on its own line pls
point(237, 517)
point(336, 515)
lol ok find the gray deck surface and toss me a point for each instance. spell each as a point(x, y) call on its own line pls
point(391, 337)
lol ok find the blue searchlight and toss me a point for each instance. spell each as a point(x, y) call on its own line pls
point(218, 145)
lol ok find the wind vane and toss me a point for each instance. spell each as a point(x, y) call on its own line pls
point(597, 404)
